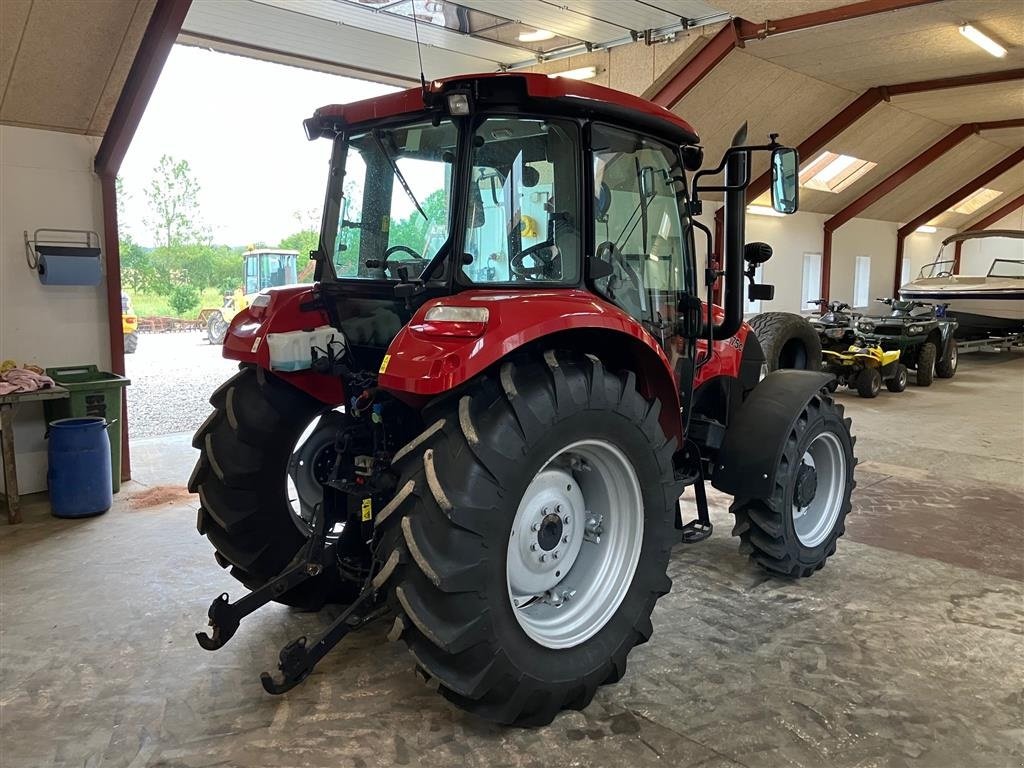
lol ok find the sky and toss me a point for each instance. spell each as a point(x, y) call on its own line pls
point(238, 122)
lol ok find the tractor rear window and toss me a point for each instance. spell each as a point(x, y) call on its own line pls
point(393, 202)
point(522, 223)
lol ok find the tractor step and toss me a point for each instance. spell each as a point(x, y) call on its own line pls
point(696, 531)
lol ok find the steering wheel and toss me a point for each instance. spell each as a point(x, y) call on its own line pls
point(945, 273)
point(545, 257)
point(415, 261)
point(624, 283)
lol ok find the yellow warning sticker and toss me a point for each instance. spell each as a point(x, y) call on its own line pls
point(367, 509)
point(384, 364)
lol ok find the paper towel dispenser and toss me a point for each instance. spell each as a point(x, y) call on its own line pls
point(65, 256)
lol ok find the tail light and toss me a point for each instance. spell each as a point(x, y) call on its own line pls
point(462, 322)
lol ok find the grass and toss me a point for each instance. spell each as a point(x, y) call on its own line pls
point(155, 305)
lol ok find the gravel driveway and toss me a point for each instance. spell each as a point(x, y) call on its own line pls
point(173, 376)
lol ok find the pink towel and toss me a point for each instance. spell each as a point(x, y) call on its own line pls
point(22, 380)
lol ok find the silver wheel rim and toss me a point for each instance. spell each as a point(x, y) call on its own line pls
point(310, 463)
point(814, 522)
point(952, 357)
point(575, 543)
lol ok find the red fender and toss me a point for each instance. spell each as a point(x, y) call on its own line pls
point(727, 353)
point(246, 338)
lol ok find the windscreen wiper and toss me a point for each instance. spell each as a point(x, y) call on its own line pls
point(398, 175)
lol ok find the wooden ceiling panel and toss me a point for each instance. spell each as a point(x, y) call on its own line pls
point(770, 98)
point(122, 64)
point(62, 67)
point(920, 43)
point(1008, 137)
point(950, 172)
point(1010, 184)
point(979, 103)
point(13, 17)
point(886, 136)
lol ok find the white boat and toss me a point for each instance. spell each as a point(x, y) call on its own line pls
point(986, 302)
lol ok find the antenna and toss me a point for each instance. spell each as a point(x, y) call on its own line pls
point(419, 51)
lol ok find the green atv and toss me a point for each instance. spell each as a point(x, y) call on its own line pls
point(921, 332)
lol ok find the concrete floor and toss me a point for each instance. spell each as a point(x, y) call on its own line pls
point(905, 651)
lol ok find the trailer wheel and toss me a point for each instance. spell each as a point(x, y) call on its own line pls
point(242, 478)
point(131, 343)
point(794, 531)
point(945, 366)
point(788, 341)
point(868, 382)
point(926, 365)
point(529, 538)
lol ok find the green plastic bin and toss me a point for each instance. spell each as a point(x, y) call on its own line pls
point(92, 393)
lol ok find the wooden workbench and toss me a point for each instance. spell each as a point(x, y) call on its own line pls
point(7, 403)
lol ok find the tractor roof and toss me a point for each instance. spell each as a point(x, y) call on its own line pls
point(549, 93)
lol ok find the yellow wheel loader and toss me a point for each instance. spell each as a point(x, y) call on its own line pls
point(262, 268)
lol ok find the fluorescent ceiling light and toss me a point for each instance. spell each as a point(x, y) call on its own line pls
point(927, 229)
point(537, 36)
point(763, 210)
point(583, 73)
point(976, 201)
point(982, 40)
point(832, 172)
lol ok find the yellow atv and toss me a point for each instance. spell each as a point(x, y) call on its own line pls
point(129, 325)
point(864, 368)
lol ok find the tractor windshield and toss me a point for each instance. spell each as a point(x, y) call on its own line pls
point(388, 203)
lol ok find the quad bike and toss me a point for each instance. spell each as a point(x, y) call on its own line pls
point(920, 332)
point(865, 368)
point(836, 325)
point(488, 446)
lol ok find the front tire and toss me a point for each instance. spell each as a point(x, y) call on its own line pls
point(506, 638)
point(216, 328)
point(926, 365)
point(794, 531)
point(242, 481)
point(868, 382)
point(131, 343)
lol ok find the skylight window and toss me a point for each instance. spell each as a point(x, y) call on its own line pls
point(831, 172)
point(976, 201)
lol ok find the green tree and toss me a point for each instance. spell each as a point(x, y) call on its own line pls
point(173, 198)
point(184, 299)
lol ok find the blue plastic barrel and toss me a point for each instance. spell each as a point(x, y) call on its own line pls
point(79, 473)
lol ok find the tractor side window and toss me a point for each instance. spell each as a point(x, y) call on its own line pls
point(394, 201)
point(523, 223)
point(252, 274)
point(638, 227)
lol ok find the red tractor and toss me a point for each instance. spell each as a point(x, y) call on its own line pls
point(486, 440)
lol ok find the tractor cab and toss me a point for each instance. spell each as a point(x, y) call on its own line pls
point(264, 268)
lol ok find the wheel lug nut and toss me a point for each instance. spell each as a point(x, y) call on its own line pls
point(566, 519)
point(554, 555)
point(543, 558)
point(533, 547)
point(565, 539)
point(535, 527)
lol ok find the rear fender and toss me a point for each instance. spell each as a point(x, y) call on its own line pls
point(422, 362)
point(755, 439)
point(291, 308)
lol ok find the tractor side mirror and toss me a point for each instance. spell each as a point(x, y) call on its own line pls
point(647, 188)
point(693, 157)
point(785, 179)
point(760, 292)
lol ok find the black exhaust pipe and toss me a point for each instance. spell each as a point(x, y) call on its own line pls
point(735, 235)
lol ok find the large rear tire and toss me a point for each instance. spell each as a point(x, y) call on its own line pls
point(794, 531)
point(563, 441)
point(788, 341)
point(242, 481)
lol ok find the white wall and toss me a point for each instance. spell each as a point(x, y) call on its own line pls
point(46, 180)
